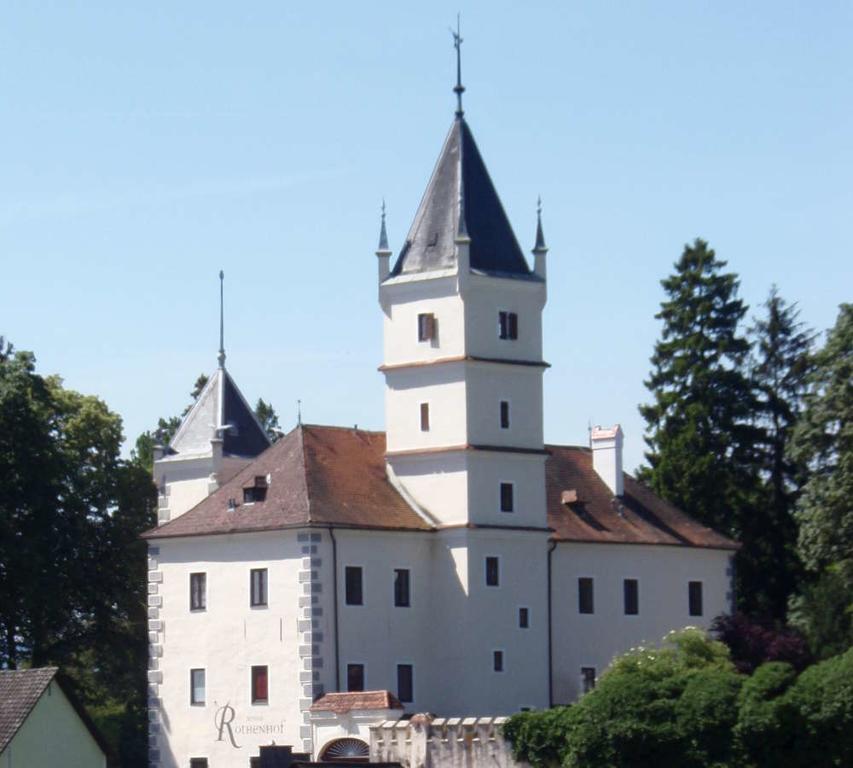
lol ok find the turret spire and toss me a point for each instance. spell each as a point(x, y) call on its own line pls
point(540, 237)
point(221, 356)
point(459, 89)
point(383, 234)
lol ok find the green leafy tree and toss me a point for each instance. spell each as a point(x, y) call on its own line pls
point(781, 361)
point(823, 442)
point(698, 430)
point(269, 419)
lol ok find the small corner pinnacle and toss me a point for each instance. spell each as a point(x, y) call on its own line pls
point(383, 233)
point(540, 236)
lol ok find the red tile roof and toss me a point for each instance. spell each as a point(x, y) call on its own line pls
point(336, 476)
point(346, 702)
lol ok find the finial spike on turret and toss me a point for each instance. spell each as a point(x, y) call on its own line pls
point(383, 233)
point(221, 356)
point(540, 236)
point(458, 89)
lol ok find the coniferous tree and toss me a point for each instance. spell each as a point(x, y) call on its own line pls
point(781, 361)
point(823, 442)
point(269, 419)
point(698, 431)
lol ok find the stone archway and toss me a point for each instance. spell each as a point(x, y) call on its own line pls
point(347, 749)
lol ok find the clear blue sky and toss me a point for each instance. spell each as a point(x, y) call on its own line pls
point(144, 146)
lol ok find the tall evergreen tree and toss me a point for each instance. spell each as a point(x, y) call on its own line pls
point(268, 418)
point(698, 430)
point(779, 368)
point(823, 442)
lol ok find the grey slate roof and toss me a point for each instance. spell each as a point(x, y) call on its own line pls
point(430, 243)
point(220, 404)
point(20, 690)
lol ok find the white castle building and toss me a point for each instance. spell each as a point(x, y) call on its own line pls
point(455, 560)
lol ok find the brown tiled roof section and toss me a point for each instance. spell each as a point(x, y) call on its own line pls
point(346, 702)
point(638, 517)
point(318, 475)
point(20, 690)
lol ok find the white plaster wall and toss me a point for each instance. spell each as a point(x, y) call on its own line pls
point(439, 483)
point(403, 302)
point(484, 298)
point(521, 387)
point(226, 640)
point(663, 572)
point(53, 735)
point(444, 388)
point(487, 470)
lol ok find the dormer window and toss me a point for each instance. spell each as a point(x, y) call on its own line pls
point(426, 326)
point(507, 325)
point(257, 491)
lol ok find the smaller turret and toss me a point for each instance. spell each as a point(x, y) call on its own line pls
point(383, 252)
point(540, 250)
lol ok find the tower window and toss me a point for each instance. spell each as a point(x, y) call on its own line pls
point(198, 591)
point(355, 677)
point(424, 417)
point(504, 414)
point(405, 683)
point(694, 594)
point(498, 661)
point(587, 679)
point(402, 598)
point(353, 585)
point(258, 586)
point(197, 687)
point(260, 685)
point(631, 589)
point(507, 325)
point(524, 618)
point(426, 326)
point(493, 572)
point(507, 500)
point(585, 595)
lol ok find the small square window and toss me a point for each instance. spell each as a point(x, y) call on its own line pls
point(504, 414)
point(424, 417)
point(405, 683)
point(631, 588)
point(426, 326)
point(524, 618)
point(198, 762)
point(402, 598)
point(260, 685)
point(694, 593)
point(258, 584)
point(507, 501)
point(498, 661)
point(198, 591)
point(197, 687)
point(587, 679)
point(353, 585)
point(355, 677)
point(507, 325)
point(253, 494)
point(493, 574)
point(586, 603)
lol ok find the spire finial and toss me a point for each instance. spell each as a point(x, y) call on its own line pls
point(299, 413)
point(540, 236)
point(221, 356)
point(383, 233)
point(459, 89)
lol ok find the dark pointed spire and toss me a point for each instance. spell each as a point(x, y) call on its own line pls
point(540, 236)
point(458, 89)
point(383, 233)
point(221, 356)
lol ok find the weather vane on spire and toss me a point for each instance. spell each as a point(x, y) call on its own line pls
point(459, 89)
point(221, 356)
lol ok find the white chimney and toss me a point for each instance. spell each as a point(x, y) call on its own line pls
point(607, 457)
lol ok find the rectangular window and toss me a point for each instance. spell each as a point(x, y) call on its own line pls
point(524, 618)
point(426, 326)
point(405, 683)
point(504, 414)
point(424, 417)
point(402, 598)
point(353, 585)
point(260, 685)
point(355, 677)
point(253, 494)
point(586, 603)
point(198, 591)
point(198, 762)
point(587, 679)
point(631, 589)
point(493, 572)
point(498, 661)
point(507, 325)
point(258, 582)
point(694, 594)
point(197, 686)
point(507, 504)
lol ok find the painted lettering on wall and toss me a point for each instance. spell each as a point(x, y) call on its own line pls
point(226, 727)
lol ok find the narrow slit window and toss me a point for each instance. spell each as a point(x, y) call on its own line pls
point(355, 677)
point(631, 589)
point(260, 685)
point(402, 597)
point(258, 584)
point(424, 417)
point(197, 687)
point(493, 573)
point(426, 326)
point(586, 601)
point(507, 325)
point(405, 683)
point(198, 762)
point(504, 414)
point(694, 594)
point(507, 497)
point(587, 679)
point(498, 661)
point(198, 591)
point(524, 618)
point(353, 585)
